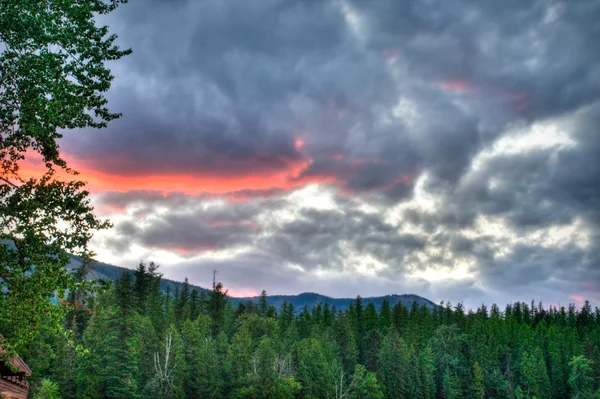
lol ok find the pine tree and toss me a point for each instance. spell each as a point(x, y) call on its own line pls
point(447, 345)
point(267, 380)
point(450, 387)
point(313, 369)
point(141, 287)
point(114, 334)
point(263, 304)
point(372, 345)
point(347, 349)
point(385, 317)
point(535, 377)
point(478, 383)
point(426, 367)
point(123, 292)
point(393, 368)
point(558, 363)
point(195, 306)
point(182, 307)
point(371, 321)
point(304, 323)
point(328, 316)
point(286, 315)
point(358, 324)
point(365, 385)
point(239, 361)
point(216, 304)
point(400, 318)
point(148, 344)
point(581, 381)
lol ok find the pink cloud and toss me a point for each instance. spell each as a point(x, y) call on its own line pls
point(391, 55)
point(405, 180)
point(456, 85)
point(241, 292)
point(579, 299)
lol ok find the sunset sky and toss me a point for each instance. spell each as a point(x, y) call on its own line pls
point(449, 149)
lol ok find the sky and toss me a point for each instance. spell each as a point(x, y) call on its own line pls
point(448, 149)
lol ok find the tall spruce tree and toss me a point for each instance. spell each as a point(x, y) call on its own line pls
point(393, 370)
point(581, 381)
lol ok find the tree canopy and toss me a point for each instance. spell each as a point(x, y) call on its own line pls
point(139, 346)
point(53, 76)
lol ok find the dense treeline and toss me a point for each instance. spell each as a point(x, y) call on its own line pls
point(133, 341)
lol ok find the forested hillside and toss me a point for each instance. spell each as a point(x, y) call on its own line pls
point(104, 271)
point(133, 341)
point(311, 299)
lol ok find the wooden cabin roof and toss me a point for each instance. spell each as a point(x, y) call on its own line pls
point(16, 362)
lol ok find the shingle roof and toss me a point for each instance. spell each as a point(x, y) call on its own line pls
point(17, 362)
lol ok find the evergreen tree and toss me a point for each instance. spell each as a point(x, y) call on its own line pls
point(263, 304)
point(581, 381)
point(365, 385)
point(124, 294)
point(447, 345)
point(372, 345)
point(216, 304)
point(393, 368)
point(478, 382)
point(141, 287)
point(114, 337)
point(182, 307)
point(385, 317)
point(344, 338)
point(147, 346)
point(450, 385)
point(400, 318)
point(286, 315)
point(535, 377)
point(266, 356)
point(426, 366)
point(312, 369)
point(195, 306)
point(558, 364)
point(304, 323)
point(239, 361)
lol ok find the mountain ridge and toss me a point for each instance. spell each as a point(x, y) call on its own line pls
point(105, 271)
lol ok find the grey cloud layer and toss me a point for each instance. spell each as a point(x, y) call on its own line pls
point(380, 93)
point(211, 83)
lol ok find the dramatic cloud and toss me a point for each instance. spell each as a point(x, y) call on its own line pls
point(445, 148)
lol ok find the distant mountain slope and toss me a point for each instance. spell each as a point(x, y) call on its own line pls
point(110, 272)
point(104, 271)
point(312, 299)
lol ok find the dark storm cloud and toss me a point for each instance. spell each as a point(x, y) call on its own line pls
point(187, 225)
point(542, 47)
point(148, 200)
point(530, 191)
point(220, 87)
point(330, 239)
point(530, 265)
point(185, 235)
point(545, 186)
point(368, 97)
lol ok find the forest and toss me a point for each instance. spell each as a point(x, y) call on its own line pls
point(131, 340)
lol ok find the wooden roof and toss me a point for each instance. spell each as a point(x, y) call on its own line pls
point(16, 362)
